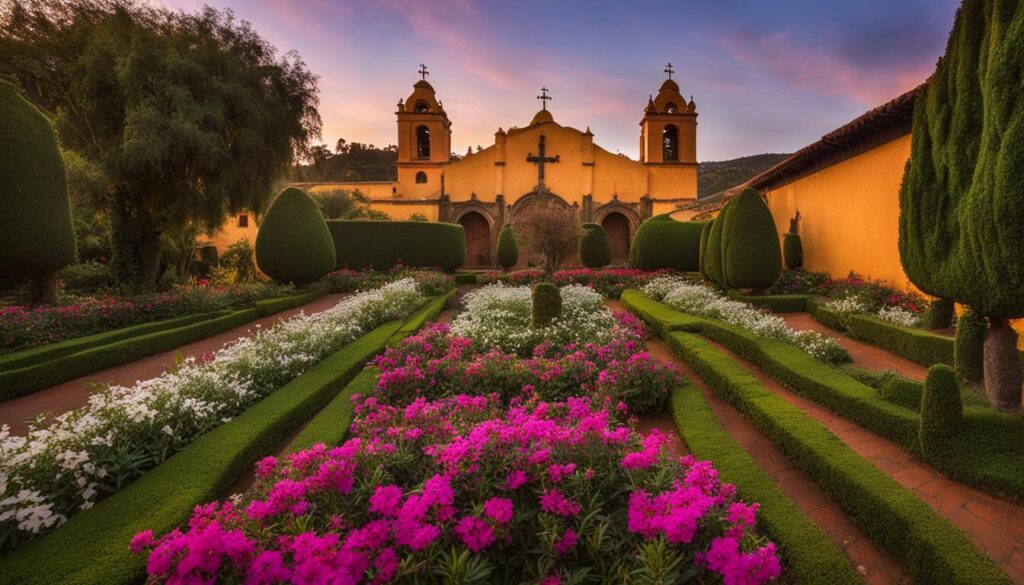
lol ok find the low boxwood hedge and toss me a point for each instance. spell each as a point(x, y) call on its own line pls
point(810, 556)
point(93, 546)
point(933, 549)
point(21, 381)
point(822, 314)
point(667, 243)
point(917, 345)
point(465, 278)
point(361, 244)
point(658, 316)
point(794, 303)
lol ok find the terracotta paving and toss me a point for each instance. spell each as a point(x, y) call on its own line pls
point(874, 564)
point(75, 393)
point(864, 355)
point(996, 526)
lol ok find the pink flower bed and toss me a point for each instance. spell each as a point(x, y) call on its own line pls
point(610, 282)
point(464, 487)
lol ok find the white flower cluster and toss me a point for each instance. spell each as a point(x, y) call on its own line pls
point(847, 306)
point(501, 316)
point(703, 301)
point(66, 465)
point(899, 316)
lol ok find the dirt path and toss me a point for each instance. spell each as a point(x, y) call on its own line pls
point(864, 356)
point(75, 393)
point(994, 525)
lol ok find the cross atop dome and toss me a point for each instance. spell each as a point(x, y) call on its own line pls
point(423, 72)
point(669, 70)
point(544, 97)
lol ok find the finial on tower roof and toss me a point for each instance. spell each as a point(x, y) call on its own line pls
point(669, 70)
point(423, 71)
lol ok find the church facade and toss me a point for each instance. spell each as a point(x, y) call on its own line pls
point(541, 162)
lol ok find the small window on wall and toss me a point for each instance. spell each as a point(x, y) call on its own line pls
point(243, 221)
point(421, 177)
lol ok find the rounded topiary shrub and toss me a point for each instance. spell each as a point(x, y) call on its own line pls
point(713, 255)
point(940, 314)
point(547, 304)
point(942, 411)
point(793, 251)
point(508, 248)
point(427, 244)
point(595, 251)
point(750, 243)
point(294, 244)
point(662, 242)
point(38, 238)
point(969, 346)
point(705, 236)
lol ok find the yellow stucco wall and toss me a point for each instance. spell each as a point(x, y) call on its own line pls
point(231, 233)
point(849, 214)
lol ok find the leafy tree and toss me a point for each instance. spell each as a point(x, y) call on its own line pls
point(550, 233)
point(962, 198)
point(37, 239)
point(351, 161)
point(190, 116)
point(346, 204)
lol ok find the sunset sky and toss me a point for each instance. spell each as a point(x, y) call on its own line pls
point(766, 76)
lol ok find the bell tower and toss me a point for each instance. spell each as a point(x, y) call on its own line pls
point(424, 141)
point(668, 130)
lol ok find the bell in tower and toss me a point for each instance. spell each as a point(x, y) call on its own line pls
point(424, 141)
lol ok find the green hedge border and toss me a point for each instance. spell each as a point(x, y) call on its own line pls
point(810, 556)
point(934, 550)
point(795, 303)
point(658, 316)
point(22, 381)
point(93, 546)
point(917, 345)
point(822, 314)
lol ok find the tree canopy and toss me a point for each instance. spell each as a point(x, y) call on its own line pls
point(190, 116)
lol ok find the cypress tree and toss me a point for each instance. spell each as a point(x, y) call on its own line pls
point(942, 409)
point(294, 244)
point(750, 243)
point(793, 250)
point(713, 259)
point(508, 249)
point(38, 238)
point(969, 346)
point(962, 198)
point(595, 251)
point(547, 304)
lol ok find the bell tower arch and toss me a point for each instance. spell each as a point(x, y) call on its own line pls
point(424, 141)
point(668, 142)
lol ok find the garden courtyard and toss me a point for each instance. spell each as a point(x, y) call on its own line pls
point(555, 389)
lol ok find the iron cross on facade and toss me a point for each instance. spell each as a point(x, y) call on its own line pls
point(541, 159)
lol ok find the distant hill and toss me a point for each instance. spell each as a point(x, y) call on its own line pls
point(716, 176)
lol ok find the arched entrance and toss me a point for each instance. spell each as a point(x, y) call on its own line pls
point(616, 225)
point(478, 239)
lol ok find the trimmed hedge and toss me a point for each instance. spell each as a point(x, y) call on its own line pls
point(940, 314)
point(989, 453)
point(934, 550)
point(547, 304)
point(658, 316)
point(293, 244)
point(942, 410)
point(713, 268)
point(793, 303)
point(822, 314)
point(793, 251)
point(750, 243)
point(362, 244)
point(28, 379)
point(667, 243)
point(417, 320)
point(810, 556)
point(902, 391)
point(969, 346)
point(465, 278)
point(705, 237)
point(508, 249)
point(93, 546)
point(595, 252)
point(915, 344)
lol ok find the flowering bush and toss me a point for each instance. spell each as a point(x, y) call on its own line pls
point(873, 294)
point(856, 305)
point(86, 454)
point(610, 282)
point(23, 327)
point(434, 364)
point(431, 282)
point(705, 302)
point(899, 316)
point(798, 282)
point(459, 490)
point(500, 316)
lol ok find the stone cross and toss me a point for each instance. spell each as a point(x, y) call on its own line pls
point(669, 70)
point(423, 71)
point(541, 159)
point(544, 97)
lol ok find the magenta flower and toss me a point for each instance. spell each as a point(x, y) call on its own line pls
point(474, 533)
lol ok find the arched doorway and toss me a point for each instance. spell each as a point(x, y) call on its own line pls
point(616, 225)
point(478, 239)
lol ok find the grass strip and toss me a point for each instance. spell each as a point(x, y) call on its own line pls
point(810, 557)
point(25, 380)
point(92, 547)
point(934, 550)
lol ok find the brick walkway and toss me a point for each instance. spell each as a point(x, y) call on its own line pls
point(994, 525)
point(873, 563)
point(864, 356)
point(75, 393)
